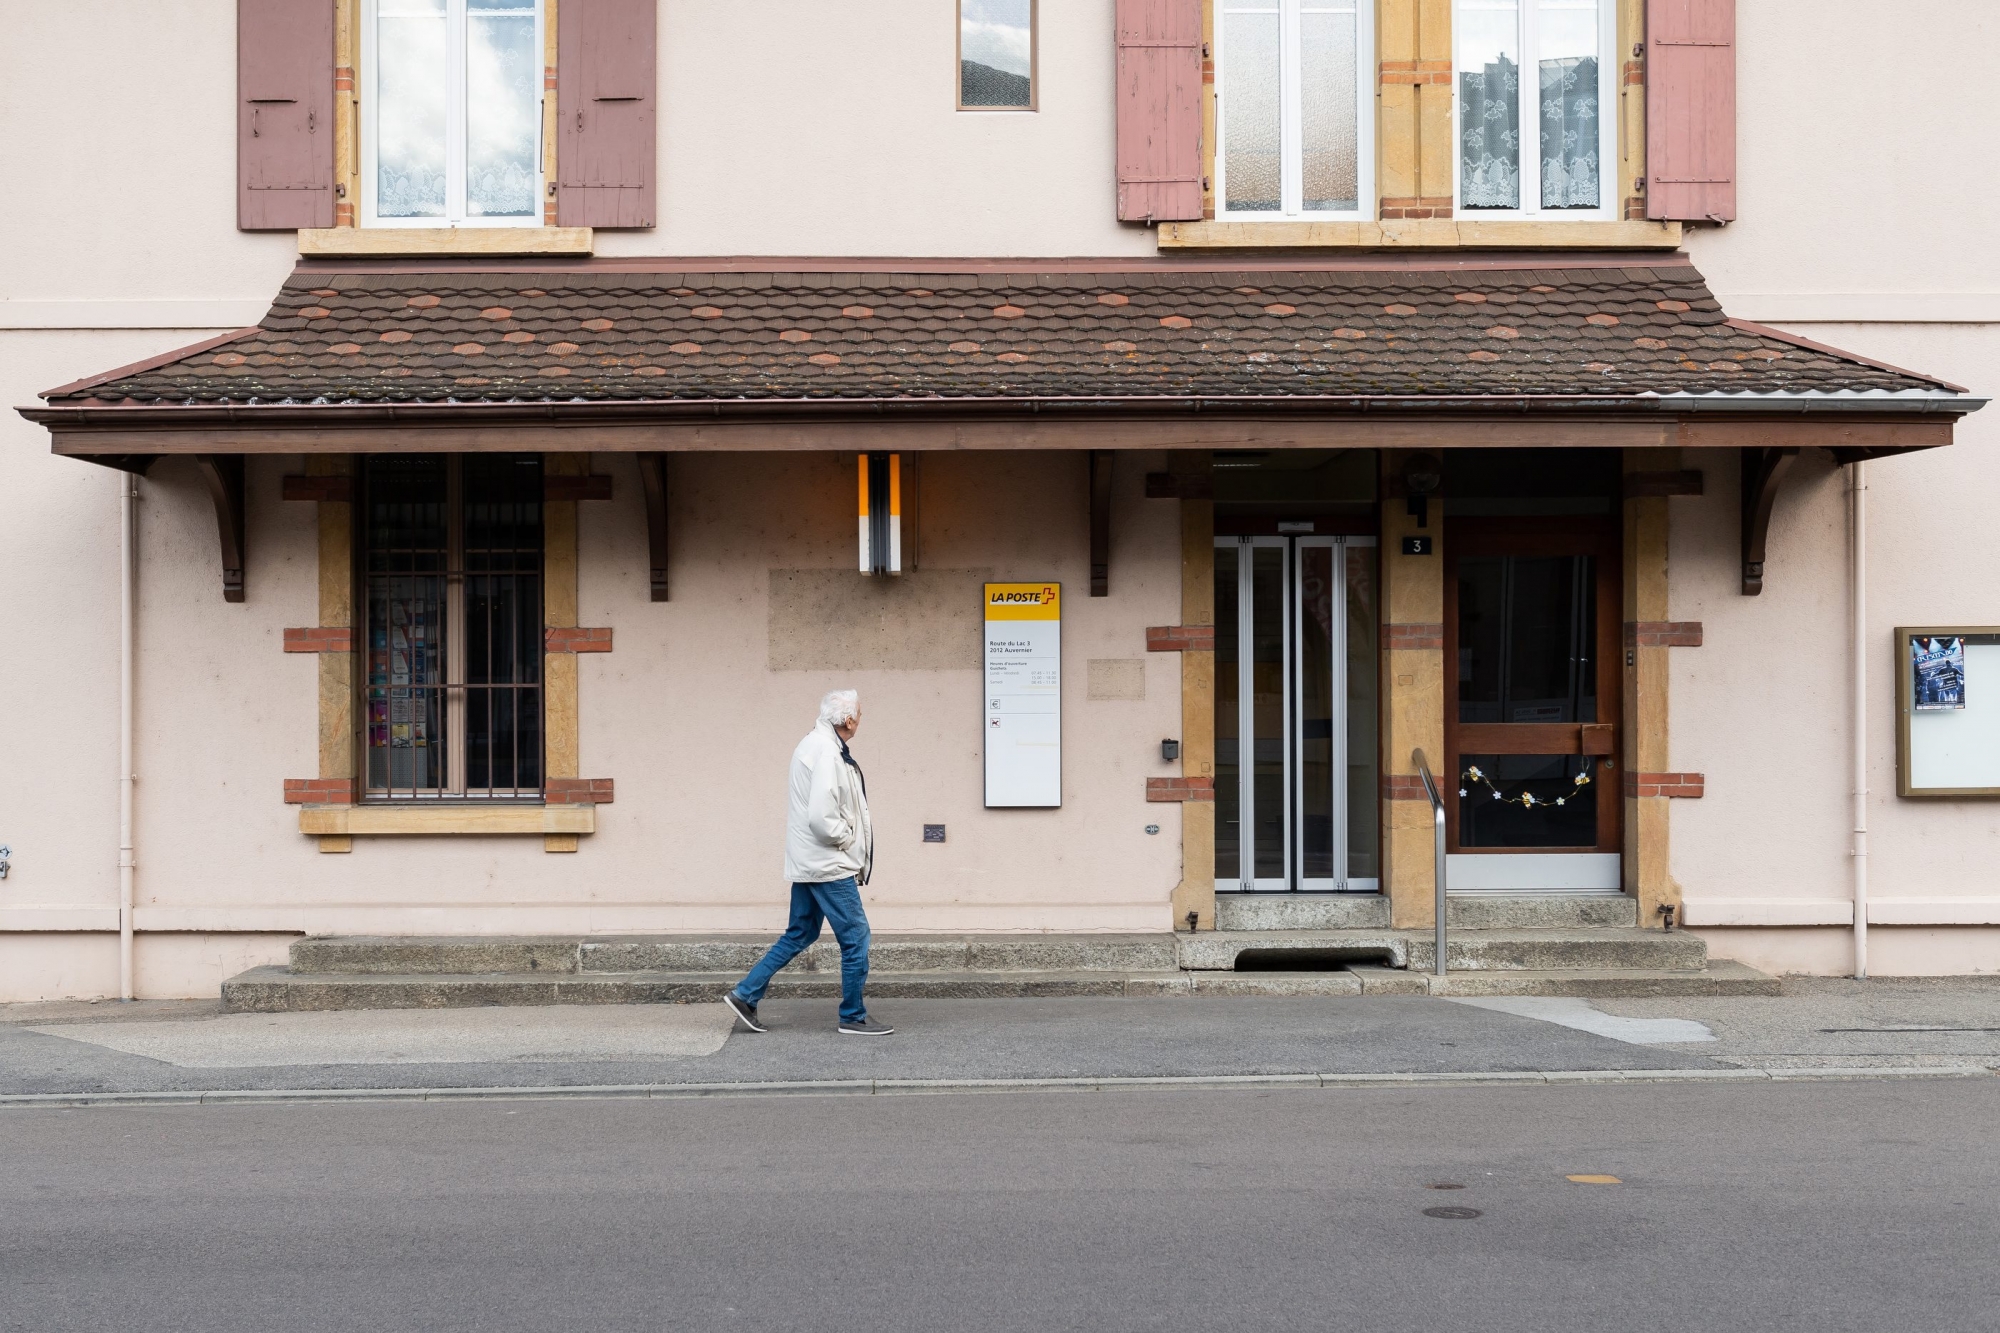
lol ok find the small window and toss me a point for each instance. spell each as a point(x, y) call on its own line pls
point(996, 55)
point(452, 577)
point(451, 96)
point(1293, 98)
point(1539, 144)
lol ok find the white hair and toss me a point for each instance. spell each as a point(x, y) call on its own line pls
point(839, 707)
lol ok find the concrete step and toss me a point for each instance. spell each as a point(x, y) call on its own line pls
point(1721, 977)
point(1603, 949)
point(1541, 911)
point(277, 990)
point(365, 955)
point(1301, 911)
point(267, 990)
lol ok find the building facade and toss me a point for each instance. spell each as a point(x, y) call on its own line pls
point(496, 422)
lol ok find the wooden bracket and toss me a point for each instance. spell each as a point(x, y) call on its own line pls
point(1763, 469)
point(223, 475)
point(653, 481)
point(136, 464)
point(1100, 522)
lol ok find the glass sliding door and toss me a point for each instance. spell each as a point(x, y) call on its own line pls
point(1295, 715)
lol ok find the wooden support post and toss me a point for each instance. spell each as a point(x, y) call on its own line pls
point(653, 482)
point(1763, 471)
point(1413, 698)
point(1644, 711)
point(339, 751)
point(1100, 522)
point(1195, 894)
point(561, 738)
point(222, 474)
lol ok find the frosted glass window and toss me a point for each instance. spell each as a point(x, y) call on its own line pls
point(1329, 120)
point(1533, 106)
point(996, 55)
point(1292, 89)
point(452, 112)
point(1253, 68)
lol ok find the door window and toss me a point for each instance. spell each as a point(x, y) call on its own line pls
point(1295, 714)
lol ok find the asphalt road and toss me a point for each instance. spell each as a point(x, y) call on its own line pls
point(1821, 1206)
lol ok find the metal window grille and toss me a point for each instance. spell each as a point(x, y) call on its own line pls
point(453, 586)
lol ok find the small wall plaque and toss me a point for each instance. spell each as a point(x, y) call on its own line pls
point(1416, 546)
point(933, 833)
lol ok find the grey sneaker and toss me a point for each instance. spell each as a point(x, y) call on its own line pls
point(866, 1027)
point(745, 1011)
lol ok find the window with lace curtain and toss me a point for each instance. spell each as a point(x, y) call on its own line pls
point(451, 113)
point(1536, 107)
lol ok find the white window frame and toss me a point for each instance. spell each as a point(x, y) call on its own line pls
point(455, 125)
point(1608, 162)
point(1290, 143)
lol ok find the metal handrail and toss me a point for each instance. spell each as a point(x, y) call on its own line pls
point(1437, 812)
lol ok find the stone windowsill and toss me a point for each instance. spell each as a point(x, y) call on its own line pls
point(1424, 233)
point(347, 242)
point(347, 820)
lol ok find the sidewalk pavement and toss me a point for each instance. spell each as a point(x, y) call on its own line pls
point(184, 1047)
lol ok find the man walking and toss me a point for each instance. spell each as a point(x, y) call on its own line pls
point(829, 850)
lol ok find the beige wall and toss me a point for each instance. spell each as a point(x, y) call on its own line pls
point(791, 127)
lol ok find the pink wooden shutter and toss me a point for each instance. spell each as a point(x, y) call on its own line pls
point(284, 114)
point(1691, 110)
point(1159, 110)
point(607, 77)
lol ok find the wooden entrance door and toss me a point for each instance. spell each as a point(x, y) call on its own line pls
point(1532, 685)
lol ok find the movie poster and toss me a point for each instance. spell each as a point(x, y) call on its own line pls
point(1938, 665)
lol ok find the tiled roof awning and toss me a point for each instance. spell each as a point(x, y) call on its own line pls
point(603, 344)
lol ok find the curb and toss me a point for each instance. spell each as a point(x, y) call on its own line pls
point(905, 1087)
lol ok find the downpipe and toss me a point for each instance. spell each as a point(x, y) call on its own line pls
point(128, 511)
point(1858, 590)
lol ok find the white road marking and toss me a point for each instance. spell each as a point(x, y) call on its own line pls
point(1587, 1017)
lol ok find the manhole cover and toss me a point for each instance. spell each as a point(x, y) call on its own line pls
point(1453, 1214)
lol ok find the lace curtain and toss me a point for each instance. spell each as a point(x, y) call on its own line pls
point(1490, 136)
point(1569, 133)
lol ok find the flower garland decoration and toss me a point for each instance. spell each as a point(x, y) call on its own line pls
point(1527, 800)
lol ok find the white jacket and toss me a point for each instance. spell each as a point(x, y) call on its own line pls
point(827, 835)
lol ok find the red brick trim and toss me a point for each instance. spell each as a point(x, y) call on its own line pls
point(1663, 634)
point(1180, 789)
point(1403, 787)
point(597, 486)
point(577, 791)
point(324, 639)
point(1180, 638)
point(319, 791)
point(339, 489)
point(572, 640)
point(1685, 785)
point(1413, 636)
point(1416, 71)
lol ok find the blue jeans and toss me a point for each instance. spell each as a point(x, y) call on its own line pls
point(839, 903)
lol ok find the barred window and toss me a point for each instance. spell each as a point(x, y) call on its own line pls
point(453, 587)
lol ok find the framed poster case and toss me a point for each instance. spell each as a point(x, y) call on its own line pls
point(1023, 670)
point(1948, 711)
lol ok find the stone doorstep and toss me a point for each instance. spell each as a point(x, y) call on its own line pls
point(1471, 911)
point(1593, 949)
